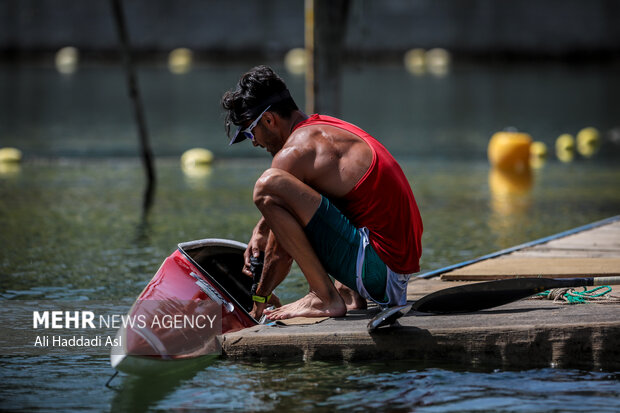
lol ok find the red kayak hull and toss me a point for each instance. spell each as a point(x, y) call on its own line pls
point(201, 280)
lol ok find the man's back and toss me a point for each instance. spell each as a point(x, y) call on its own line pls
point(357, 173)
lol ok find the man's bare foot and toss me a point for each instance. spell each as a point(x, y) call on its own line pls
point(352, 299)
point(309, 306)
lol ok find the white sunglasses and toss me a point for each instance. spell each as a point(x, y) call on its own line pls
point(247, 132)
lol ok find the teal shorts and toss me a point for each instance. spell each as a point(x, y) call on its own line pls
point(336, 242)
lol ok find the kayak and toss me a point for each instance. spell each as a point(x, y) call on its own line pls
point(198, 293)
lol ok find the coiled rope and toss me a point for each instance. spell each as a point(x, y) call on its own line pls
point(599, 294)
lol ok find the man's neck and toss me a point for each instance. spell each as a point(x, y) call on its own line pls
point(296, 118)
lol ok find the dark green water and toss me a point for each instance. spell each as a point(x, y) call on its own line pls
point(323, 387)
point(72, 228)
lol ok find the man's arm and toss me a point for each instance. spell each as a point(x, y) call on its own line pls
point(294, 160)
point(276, 267)
point(277, 262)
point(257, 243)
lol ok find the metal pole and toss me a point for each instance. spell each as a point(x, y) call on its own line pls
point(326, 26)
point(309, 44)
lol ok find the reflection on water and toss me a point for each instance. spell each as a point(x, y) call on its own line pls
point(511, 200)
point(197, 176)
point(9, 169)
point(327, 387)
point(314, 386)
point(510, 190)
point(138, 394)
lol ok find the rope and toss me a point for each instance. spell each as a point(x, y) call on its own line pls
point(572, 296)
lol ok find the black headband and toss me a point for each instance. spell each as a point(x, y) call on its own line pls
point(278, 97)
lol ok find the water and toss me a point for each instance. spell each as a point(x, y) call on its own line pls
point(88, 113)
point(314, 386)
point(72, 227)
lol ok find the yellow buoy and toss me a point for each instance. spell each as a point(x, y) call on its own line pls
point(67, 60)
point(10, 155)
point(197, 156)
point(565, 147)
point(565, 142)
point(510, 150)
point(538, 150)
point(415, 61)
point(588, 141)
point(196, 163)
point(538, 154)
point(296, 60)
point(180, 60)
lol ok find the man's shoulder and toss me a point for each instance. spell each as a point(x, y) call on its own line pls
point(299, 147)
point(319, 134)
point(308, 147)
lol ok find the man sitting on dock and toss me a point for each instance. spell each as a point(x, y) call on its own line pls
point(334, 200)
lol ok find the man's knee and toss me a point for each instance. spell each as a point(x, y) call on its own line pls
point(271, 183)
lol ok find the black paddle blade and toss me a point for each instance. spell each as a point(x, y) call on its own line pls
point(474, 297)
point(388, 316)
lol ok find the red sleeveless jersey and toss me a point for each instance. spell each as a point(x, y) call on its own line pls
point(383, 202)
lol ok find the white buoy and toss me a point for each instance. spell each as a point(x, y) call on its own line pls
point(613, 135)
point(180, 60)
point(67, 60)
point(296, 60)
point(438, 61)
point(415, 61)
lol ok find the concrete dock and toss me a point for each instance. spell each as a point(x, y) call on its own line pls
point(524, 334)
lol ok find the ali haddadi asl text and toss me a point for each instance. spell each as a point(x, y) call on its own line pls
point(77, 341)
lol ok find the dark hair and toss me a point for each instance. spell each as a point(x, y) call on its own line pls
point(256, 89)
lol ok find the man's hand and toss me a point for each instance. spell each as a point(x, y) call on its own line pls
point(257, 243)
point(276, 265)
point(257, 310)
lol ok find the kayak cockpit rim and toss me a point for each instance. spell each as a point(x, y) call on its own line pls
point(185, 247)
